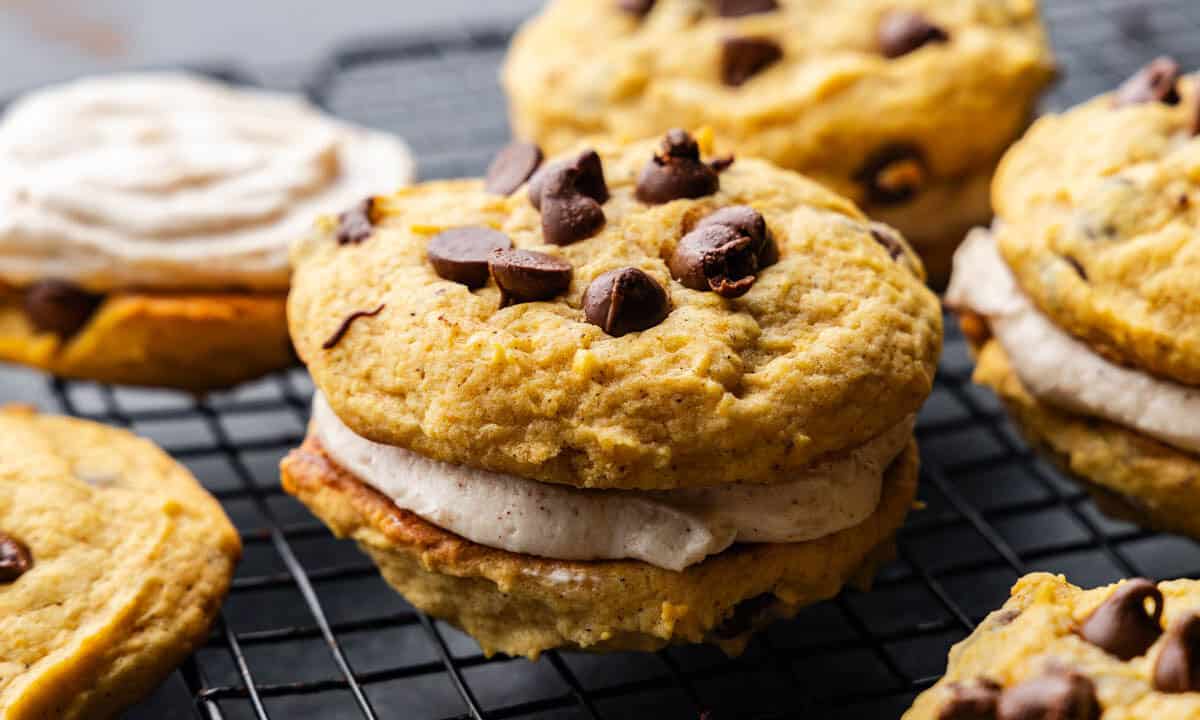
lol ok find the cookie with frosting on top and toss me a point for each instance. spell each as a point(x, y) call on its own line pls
point(904, 107)
point(145, 221)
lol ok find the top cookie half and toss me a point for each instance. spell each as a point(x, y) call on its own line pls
point(1100, 221)
point(840, 90)
point(833, 341)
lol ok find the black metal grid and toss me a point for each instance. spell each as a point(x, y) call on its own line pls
point(311, 631)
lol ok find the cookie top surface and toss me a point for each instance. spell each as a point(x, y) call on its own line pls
point(836, 89)
point(172, 181)
point(1099, 651)
point(127, 559)
point(1099, 222)
point(832, 344)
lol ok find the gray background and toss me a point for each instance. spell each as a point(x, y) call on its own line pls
point(43, 41)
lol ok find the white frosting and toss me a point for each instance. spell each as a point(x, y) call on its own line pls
point(670, 529)
point(173, 181)
point(1060, 370)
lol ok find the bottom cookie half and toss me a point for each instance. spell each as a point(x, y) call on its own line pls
point(1132, 476)
point(195, 342)
point(523, 605)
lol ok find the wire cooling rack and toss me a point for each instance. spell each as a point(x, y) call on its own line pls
point(311, 631)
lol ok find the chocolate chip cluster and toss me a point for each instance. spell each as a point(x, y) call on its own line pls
point(1125, 626)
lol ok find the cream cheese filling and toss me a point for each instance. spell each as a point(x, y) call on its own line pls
point(1060, 370)
point(670, 529)
point(170, 181)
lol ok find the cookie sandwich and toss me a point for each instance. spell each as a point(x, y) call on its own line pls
point(113, 564)
point(646, 397)
point(1080, 298)
point(903, 106)
point(145, 221)
point(1056, 651)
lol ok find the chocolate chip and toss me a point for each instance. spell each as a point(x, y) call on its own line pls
point(15, 558)
point(1154, 83)
point(721, 164)
point(893, 174)
point(676, 172)
point(745, 615)
point(587, 178)
point(461, 254)
point(903, 31)
point(716, 258)
point(739, 8)
point(344, 328)
point(889, 238)
point(744, 57)
point(511, 167)
point(1177, 669)
point(1120, 626)
point(1057, 695)
point(641, 8)
point(747, 221)
point(528, 276)
point(975, 700)
point(60, 307)
point(624, 301)
point(1076, 266)
point(357, 223)
point(569, 195)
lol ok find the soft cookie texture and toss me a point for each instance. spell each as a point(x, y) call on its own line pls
point(190, 341)
point(1100, 225)
point(1054, 650)
point(905, 107)
point(523, 605)
point(835, 342)
point(129, 560)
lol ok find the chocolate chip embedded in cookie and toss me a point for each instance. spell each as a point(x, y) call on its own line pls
point(59, 307)
point(1056, 695)
point(903, 31)
point(461, 254)
point(750, 223)
point(745, 57)
point(741, 8)
point(528, 276)
point(347, 323)
point(894, 174)
point(1121, 626)
point(355, 224)
point(511, 167)
point(1177, 669)
point(676, 172)
point(1157, 82)
point(640, 8)
point(716, 258)
point(974, 700)
point(569, 194)
point(15, 558)
point(624, 301)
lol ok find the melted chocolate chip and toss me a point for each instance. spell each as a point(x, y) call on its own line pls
point(903, 31)
point(1057, 695)
point(889, 238)
point(344, 328)
point(676, 172)
point(461, 254)
point(528, 276)
point(893, 174)
point(1120, 626)
point(1157, 82)
point(624, 301)
point(747, 221)
point(511, 167)
point(745, 615)
point(1076, 266)
point(744, 57)
point(641, 8)
point(586, 177)
point(15, 558)
point(357, 223)
point(1177, 669)
point(59, 307)
point(722, 164)
point(975, 700)
point(739, 8)
point(716, 258)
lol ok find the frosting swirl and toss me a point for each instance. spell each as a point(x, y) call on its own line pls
point(171, 181)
